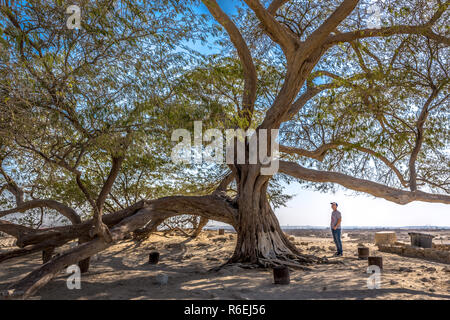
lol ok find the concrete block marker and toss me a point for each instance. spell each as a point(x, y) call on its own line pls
point(385, 237)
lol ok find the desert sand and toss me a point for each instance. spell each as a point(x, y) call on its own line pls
point(123, 272)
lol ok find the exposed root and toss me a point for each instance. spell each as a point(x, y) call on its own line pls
point(238, 264)
point(296, 261)
point(122, 223)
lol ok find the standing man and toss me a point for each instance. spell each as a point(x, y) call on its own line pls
point(336, 219)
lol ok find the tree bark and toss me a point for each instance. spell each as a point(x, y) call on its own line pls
point(47, 254)
point(362, 185)
point(203, 221)
point(260, 241)
point(149, 213)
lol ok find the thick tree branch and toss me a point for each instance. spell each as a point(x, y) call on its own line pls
point(296, 75)
point(225, 182)
point(106, 189)
point(72, 232)
point(202, 223)
point(320, 153)
point(208, 206)
point(420, 135)
point(45, 245)
point(385, 32)
point(66, 211)
point(376, 189)
point(250, 76)
point(14, 230)
point(277, 32)
point(100, 228)
point(275, 5)
point(319, 36)
point(301, 62)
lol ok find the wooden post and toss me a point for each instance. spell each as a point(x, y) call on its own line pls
point(377, 261)
point(281, 275)
point(153, 257)
point(84, 265)
point(363, 253)
point(47, 254)
point(221, 232)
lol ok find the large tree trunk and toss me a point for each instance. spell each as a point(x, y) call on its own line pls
point(260, 238)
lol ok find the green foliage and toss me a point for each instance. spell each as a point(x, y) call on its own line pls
point(72, 100)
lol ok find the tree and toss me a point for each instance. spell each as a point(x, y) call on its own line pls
point(259, 236)
point(362, 107)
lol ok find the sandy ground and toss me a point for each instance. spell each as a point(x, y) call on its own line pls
point(123, 272)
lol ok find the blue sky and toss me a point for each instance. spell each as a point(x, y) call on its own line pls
point(228, 6)
point(313, 208)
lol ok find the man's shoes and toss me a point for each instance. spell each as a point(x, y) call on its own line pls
point(336, 254)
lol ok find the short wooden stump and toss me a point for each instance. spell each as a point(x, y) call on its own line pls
point(363, 253)
point(153, 257)
point(377, 261)
point(84, 265)
point(281, 275)
point(47, 255)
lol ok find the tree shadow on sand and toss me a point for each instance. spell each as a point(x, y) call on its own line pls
point(240, 285)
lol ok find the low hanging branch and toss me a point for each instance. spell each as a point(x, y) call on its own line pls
point(275, 30)
point(321, 151)
point(14, 230)
point(388, 31)
point(126, 221)
point(361, 185)
point(68, 233)
point(29, 249)
point(66, 211)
